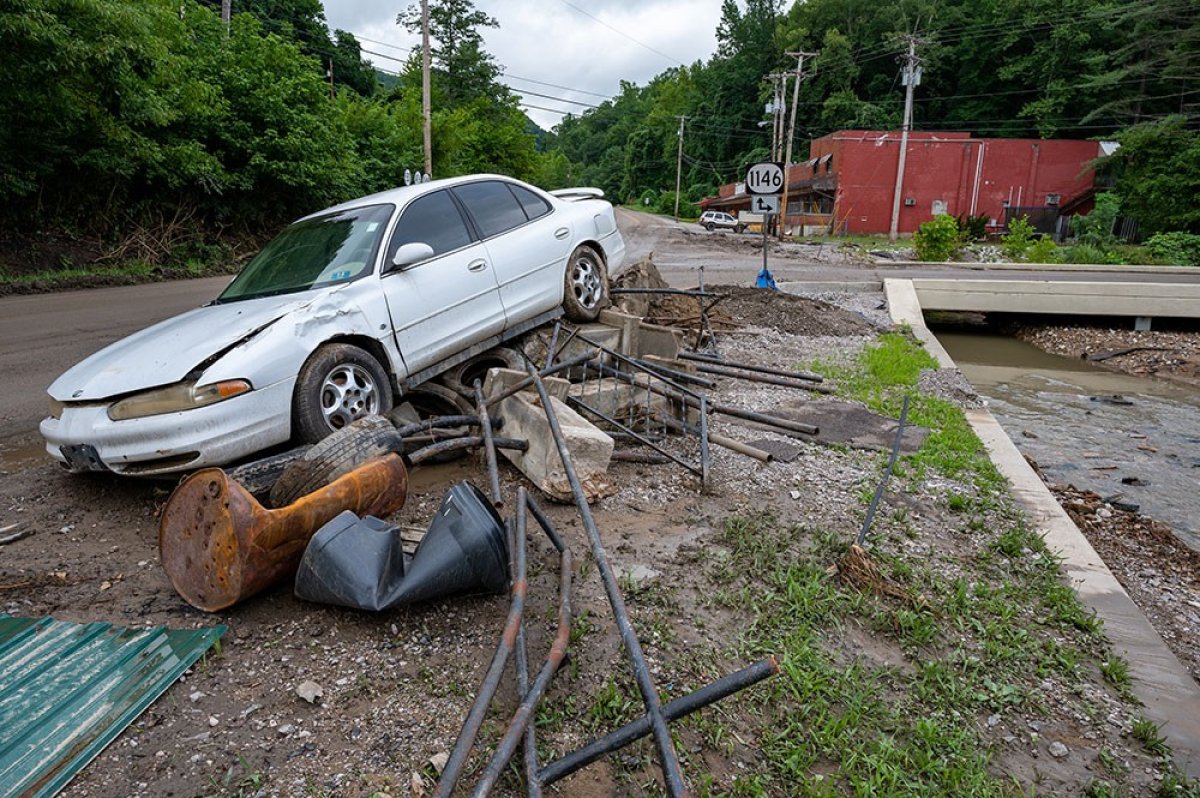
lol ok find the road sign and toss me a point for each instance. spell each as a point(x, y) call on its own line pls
point(765, 178)
point(765, 204)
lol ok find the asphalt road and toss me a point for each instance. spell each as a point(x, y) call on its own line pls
point(44, 335)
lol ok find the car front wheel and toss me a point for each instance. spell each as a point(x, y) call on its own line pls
point(586, 288)
point(709, 227)
point(338, 384)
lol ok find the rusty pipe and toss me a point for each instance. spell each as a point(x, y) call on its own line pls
point(219, 545)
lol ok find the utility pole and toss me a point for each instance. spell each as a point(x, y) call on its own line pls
point(226, 13)
point(426, 103)
point(330, 73)
point(679, 166)
point(911, 78)
point(787, 159)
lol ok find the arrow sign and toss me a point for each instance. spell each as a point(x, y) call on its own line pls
point(764, 204)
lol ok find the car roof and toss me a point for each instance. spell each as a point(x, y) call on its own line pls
point(401, 195)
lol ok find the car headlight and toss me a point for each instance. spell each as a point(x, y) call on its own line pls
point(56, 408)
point(173, 398)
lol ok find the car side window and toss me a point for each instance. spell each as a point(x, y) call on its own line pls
point(433, 219)
point(492, 206)
point(534, 205)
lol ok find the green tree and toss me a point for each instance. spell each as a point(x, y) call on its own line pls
point(1157, 170)
point(456, 47)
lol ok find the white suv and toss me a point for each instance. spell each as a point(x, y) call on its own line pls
point(710, 220)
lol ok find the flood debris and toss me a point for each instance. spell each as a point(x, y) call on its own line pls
point(361, 563)
point(219, 545)
point(15, 536)
point(67, 690)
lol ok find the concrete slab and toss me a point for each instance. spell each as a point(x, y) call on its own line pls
point(499, 379)
point(1170, 695)
point(663, 342)
point(1089, 298)
point(591, 449)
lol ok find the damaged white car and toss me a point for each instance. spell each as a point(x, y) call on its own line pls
point(335, 319)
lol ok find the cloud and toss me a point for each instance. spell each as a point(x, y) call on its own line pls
point(551, 42)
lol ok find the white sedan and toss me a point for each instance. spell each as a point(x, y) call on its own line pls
point(334, 319)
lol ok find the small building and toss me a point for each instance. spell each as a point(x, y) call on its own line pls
point(847, 185)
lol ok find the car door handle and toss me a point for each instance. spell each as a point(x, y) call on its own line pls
point(562, 233)
point(477, 265)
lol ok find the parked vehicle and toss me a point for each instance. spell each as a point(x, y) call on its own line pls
point(334, 319)
point(711, 220)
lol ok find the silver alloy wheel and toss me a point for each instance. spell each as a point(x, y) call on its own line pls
point(348, 392)
point(586, 282)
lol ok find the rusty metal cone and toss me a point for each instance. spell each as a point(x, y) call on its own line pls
point(219, 545)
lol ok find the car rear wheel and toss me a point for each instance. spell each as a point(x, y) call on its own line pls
point(738, 228)
point(586, 285)
point(338, 384)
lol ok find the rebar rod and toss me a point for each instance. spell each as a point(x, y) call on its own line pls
point(669, 759)
point(665, 291)
point(732, 444)
point(522, 717)
point(467, 442)
point(552, 349)
point(489, 446)
point(631, 433)
point(684, 705)
point(437, 422)
point(862, 533)
point(487, 689)
point(766, 379)
point(675, 374)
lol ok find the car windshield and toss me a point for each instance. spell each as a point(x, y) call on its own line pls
point(313, 253)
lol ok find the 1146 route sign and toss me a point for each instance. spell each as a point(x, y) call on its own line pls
point(765, 178)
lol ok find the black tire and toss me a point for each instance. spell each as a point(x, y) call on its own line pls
point(461, 378)
point(709, 226)
point(338, 454)
point(316, 408)
point(586, 285)
point(430, 399)
point(259, 476)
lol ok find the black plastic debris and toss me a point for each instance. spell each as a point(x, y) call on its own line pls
point(360, 562)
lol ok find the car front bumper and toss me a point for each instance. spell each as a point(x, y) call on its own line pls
point(85, 438)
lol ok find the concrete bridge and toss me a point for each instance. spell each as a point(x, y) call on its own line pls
point(1141, 300)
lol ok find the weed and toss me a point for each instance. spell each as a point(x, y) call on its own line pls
point(1146, 732)
point(1116, 672)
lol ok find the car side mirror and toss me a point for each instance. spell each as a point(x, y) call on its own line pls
point(409, 254)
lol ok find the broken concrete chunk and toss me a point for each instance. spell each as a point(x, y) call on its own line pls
point(499, 379)
point(591, 449)
point(310, 691)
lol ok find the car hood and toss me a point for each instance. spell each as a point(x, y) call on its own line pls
point(168, 351)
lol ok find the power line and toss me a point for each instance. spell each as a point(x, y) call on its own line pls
point(622, 33)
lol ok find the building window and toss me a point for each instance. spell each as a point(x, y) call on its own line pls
point(1053, 199)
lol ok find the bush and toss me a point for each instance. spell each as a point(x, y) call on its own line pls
point(1019, 240)
point(1044, 250)
point(1179, 248)
point(972, 228)
point(1096, 228)
point(1086, 253)
point(938, 239)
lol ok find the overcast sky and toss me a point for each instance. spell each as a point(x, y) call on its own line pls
point(548, 40)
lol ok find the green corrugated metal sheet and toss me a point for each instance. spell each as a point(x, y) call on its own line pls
point(67, 690)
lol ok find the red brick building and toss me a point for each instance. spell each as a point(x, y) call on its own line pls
point(848, 182)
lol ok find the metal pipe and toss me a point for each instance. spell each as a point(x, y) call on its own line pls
point(649, 458)
point(636, 436)
point(524, 713)
point(467, 442)
point(489, 446)
point(546, 372)
point(705, 437)
point(487, 689)
point(681, 707)
point(439, 422)
point(862, 533)
point(732, 444)
point(552, 349)
point(681, 376)
point(768, 379)
point(618, 356)
point(669, 759)
point(545, 523)
point(697, 357)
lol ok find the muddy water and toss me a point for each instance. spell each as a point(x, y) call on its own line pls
point(1090, 426)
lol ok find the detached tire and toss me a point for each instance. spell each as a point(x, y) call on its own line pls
point(586, 285)
point(338, 384)
point(338, 454)
point(461, 378)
